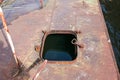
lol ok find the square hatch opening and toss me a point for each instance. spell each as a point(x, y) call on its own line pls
point(58, 47)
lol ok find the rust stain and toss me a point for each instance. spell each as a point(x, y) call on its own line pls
point(94, 61)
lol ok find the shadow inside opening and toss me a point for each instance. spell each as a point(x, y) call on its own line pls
point(58, 47)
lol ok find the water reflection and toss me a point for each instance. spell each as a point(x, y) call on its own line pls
point(111, 11)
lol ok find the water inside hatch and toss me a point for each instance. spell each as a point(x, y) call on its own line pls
point(58, 47)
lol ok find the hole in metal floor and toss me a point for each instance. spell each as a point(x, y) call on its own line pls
point(58, 47)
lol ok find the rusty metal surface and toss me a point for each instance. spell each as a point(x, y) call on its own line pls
point(94, 62)
point(7, 62)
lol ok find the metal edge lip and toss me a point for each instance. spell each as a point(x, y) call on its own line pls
point(58, 32)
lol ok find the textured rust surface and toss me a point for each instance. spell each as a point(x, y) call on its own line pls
point(94, 62)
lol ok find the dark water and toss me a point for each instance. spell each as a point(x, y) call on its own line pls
point(59, 47)
point(111, 11)
point(57, 55)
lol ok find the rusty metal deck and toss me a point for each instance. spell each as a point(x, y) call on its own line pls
point(94, 62)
